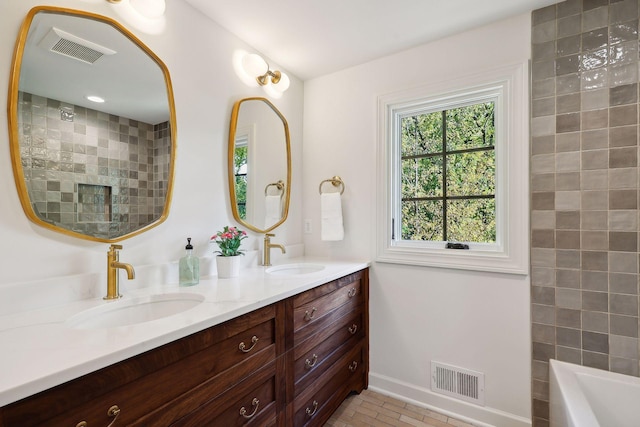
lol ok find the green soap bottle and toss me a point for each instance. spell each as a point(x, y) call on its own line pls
point(189, 267)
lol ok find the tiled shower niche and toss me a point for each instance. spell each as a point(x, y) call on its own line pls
point(94, 203)
point(92, 172)
point(584, 184)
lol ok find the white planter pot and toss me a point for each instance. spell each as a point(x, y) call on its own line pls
point(228, 266)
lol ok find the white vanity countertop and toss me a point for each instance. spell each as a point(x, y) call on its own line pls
point(41, 350)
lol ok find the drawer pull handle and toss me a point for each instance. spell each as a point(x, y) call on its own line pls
point(311, 363)
point(243, 348)
point(353, 329)
point(114, 411)
point(255, 403)
point(353, 366)
point(352, 292)
point(310, 412)
point(309, 315)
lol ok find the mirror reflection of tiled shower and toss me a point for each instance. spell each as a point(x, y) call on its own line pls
point(89, 171)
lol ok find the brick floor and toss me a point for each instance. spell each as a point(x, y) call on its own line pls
point(370, 409)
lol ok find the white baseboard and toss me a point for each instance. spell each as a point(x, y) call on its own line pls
point(425, 398)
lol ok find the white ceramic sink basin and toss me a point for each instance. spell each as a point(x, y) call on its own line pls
point(294, 269)
point(135, 310)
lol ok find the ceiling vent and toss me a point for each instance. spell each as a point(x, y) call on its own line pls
point(71, 46)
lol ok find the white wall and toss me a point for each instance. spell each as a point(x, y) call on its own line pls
point(198, 54)
point(478, 321)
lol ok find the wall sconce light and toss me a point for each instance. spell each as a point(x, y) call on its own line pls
point(273, 82)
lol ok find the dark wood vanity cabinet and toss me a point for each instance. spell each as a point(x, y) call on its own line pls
point(288, 364)
point(329, 358)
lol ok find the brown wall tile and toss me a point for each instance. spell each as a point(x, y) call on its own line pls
point(567, 258)
point(567, 278)
point(568, 181)
point(623, 199)
point(594, 341)
point(543, 201)
point(543, 182)
point(623, 157)
point(568, 317)
point(595, 260)
point(568, 142)
point(595, 280)
point(595, 360)
point(567, 122)
point(584, 125)
point(543, 239)
point(595, 159)
point(623, 136)
point(568, 103)
point(622, 116)
point(595, 119)
point(595, 240)
point(569, 337)
point(568, 220)
point(567, 239)
point(543, 145)
point(626, 326)
point(623, 283)
point(623, 241)
point(625, 94)
point(595, 301)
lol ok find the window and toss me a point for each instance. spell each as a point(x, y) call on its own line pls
point(240, 166)
point(453, 167)
point(447, 174)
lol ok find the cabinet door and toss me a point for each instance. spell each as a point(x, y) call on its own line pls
point(251, 402)
point(315, 355)
point(320, 400)
point(312, 307)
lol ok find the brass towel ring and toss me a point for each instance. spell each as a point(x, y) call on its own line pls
point(279, 185)
point(336, 181)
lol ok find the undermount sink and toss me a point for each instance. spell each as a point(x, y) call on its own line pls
point(135, 310)
point(294, 269)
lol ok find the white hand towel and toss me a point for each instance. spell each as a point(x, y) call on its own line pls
point(273, 212)
point(331, 216)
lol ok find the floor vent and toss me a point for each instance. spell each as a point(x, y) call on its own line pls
point(457, 382)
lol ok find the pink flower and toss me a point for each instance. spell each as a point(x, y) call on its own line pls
point(229, 241)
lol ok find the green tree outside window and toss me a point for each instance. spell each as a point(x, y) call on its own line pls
point(448, 178)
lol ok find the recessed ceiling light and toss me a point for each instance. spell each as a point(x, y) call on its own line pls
point(94, 98)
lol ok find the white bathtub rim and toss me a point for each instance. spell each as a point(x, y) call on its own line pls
point(577, 407)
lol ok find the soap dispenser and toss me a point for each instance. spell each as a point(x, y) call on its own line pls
point(189, 267)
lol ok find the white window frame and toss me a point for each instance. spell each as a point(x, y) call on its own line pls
point(508, 88)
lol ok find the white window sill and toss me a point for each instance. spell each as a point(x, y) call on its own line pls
point(461, 259)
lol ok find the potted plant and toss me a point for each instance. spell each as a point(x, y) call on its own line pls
point(228, 259)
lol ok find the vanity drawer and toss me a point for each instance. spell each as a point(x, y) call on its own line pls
point(251, 402)
point(317, 354)
point(316, 404)
point(145, 382)
point(312, 306)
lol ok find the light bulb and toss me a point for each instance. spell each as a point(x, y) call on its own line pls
point(152, 9)
point(254, 65)
point(283, 84)
point(94, 98)
point(270, 90)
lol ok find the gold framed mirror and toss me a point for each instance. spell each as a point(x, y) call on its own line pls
point(100, 171)
point(259, 165)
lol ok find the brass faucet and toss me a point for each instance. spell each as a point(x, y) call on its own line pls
point(267, 249)
point(113, 265)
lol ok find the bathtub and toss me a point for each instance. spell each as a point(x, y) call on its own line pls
point(588, 397)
